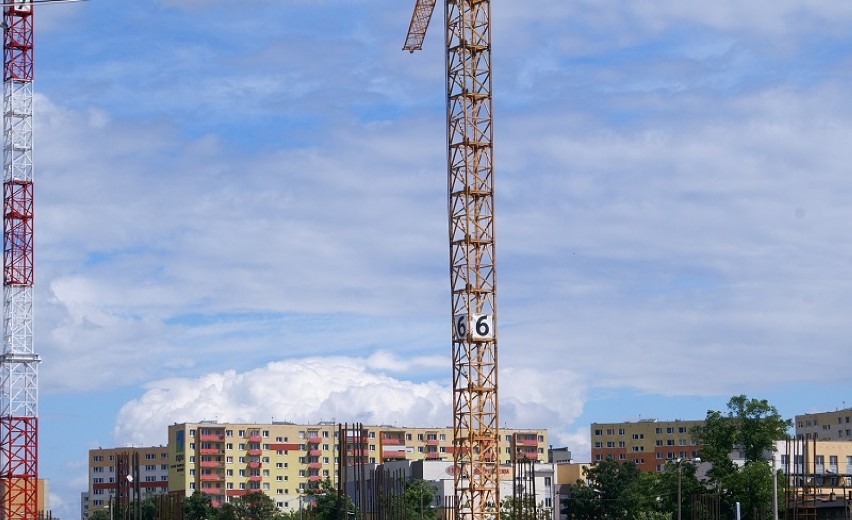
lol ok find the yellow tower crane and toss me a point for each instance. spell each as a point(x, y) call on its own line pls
point(472, 255)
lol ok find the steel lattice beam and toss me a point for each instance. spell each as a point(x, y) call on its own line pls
point(472, 258)
point(18, 361)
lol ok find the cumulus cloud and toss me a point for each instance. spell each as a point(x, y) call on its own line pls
point(341, 389)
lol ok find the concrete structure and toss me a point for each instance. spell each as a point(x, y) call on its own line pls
point(647, 442)
point(558, 455)
point(285, 460)
point(828, 426)
point(440, 474)
point(108, 478)
point(818, 477)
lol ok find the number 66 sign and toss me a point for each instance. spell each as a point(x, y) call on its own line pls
point(476, 327)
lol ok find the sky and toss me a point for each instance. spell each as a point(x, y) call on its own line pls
point(241, 215)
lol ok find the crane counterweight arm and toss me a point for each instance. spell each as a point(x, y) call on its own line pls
point(419, 23)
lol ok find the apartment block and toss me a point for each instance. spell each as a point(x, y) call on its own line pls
point(116, 473)
point(828, 426)
point(286, 460)
point(647, 442)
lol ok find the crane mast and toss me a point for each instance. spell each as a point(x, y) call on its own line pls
point(18, 362)
point(470, 192)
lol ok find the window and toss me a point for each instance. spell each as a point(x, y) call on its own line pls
point(597, 432)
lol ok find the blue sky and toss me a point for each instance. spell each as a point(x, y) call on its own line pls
point(241, 214)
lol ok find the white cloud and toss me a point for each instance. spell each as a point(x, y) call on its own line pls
point(306, 390)
point(339, 389)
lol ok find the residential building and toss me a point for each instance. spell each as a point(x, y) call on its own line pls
point(647, 442)
point(827, 426)
point(286, 460)
point(125, 473)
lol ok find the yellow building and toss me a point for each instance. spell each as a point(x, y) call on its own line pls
point(285, 460)
point(826, 426)
point(647, 442)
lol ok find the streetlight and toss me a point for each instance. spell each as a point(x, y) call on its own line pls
point(679, 463)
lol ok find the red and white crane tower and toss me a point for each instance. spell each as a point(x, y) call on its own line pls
point(18, 361)
point(472, 254)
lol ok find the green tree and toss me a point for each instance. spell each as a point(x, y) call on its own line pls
point(329, 504)
point(608, 492)
point(197, 507)
point(419, 499)
point(683, 475)
point(100, 514)
point(750, 427)
point(254, 506)
point(227, 512)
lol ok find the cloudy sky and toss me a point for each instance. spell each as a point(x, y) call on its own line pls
point(241, 215)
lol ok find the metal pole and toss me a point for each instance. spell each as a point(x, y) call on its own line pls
point(679, 476)
point(774, 490)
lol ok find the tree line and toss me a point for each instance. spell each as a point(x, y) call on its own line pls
point(614, 490)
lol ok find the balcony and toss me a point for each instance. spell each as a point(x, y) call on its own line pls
point(212, 437)
point(256, 451)
point(211, 491)
point(211, 451)
point(316, 439)
point(212, 477)
point(255, 478)
point(431, 442)
point(315, 453)
point(393, 455)
point(391, 440)
point(212, 464)
point(255, 438)
point(522, 441)
point(433, 455)
point(314, 478)
point(254, 465)
point(315, 465)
